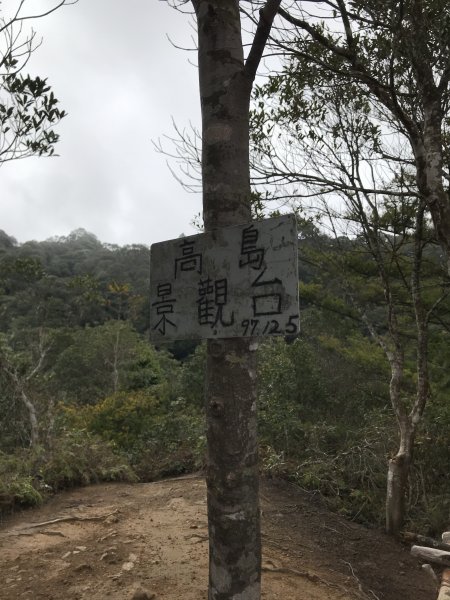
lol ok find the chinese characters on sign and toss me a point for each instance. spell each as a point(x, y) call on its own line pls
point(233, 282)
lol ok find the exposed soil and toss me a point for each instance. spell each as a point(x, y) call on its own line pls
point(122, 541)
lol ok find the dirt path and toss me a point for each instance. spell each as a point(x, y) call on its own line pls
point(141, 541)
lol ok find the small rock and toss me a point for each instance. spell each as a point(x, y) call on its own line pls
point(270, 565)
point(143, 594)
point(83, 567)
point(66, 555)
point(81, 548)
point(110, 556)
point(112, 519)
point(132, 558)
point(128, 566)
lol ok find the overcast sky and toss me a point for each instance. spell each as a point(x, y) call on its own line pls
point(110, 64)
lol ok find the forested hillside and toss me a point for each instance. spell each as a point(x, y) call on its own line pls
point(86, 397)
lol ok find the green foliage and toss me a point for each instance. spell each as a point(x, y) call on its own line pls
point(16, 483)
point(346, 464)
point(192, 378)
point(429, 496)
point(159, 437)
point(76, 457)
point(318, 429)
point(28, 111)
point(73, 281)
point(28, 107)
point(105, 359)
point(105, 398)
point(290, 391)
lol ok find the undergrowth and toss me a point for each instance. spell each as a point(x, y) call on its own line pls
point(75, 458)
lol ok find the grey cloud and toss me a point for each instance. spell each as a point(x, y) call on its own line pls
point(121, 81)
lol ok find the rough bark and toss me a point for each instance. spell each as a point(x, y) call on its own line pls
point(232, 474)
point(397, 480)
point(428, 152)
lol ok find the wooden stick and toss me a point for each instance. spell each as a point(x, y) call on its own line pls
point(70, 518)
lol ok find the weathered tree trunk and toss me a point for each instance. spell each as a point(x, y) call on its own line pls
point(232, 475)
point(397, 486)
point(398, 466)
point(408, 418)
point(427, 141)
point(428, 151)
point(32, 415)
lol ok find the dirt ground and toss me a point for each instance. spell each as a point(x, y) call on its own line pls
point(141, 541)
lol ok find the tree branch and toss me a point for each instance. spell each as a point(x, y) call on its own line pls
point(266, 17)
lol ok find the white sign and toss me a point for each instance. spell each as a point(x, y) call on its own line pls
point(232, 282)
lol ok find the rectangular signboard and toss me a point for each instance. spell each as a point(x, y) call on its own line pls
point(233, 282)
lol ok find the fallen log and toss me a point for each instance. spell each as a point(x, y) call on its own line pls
point(422, 540)
point(432, 555)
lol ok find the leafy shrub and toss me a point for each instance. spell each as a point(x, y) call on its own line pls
point(429, 497)
point(322, 433)
point(158, 436)
point(77, 457)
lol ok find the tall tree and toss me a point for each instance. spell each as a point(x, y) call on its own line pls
point(226, 80)
point(398, 55)
point(362, 106)
point(337, 150)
